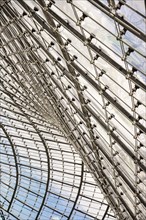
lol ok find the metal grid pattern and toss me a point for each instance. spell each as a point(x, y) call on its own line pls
point(73, 85)
point(42, 176)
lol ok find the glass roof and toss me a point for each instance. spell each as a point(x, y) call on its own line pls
point(73, 110)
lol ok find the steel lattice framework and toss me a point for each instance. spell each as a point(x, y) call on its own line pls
point(73, 116)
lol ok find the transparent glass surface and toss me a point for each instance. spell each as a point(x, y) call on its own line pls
point(73, 110)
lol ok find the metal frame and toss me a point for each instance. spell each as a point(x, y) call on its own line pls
point(49, 112)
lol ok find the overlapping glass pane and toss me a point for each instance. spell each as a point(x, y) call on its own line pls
point(73, 104)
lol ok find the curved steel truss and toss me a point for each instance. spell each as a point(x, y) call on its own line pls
point(73, 116)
